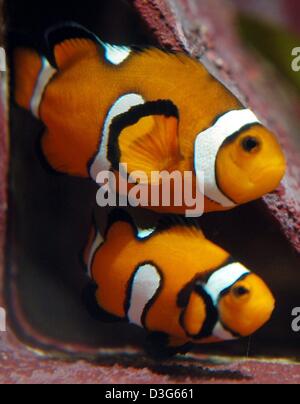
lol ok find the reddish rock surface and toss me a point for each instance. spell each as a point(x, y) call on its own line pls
point(19, 366)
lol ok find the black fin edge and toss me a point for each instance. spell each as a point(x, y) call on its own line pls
point(166, 222)
point(119, 215)
point(64, 31)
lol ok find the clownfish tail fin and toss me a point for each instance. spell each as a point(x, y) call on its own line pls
point(32, 73)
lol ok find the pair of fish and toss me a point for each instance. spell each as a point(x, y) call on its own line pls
point(126, 110)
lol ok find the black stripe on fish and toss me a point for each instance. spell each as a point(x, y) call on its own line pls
point(185, 294)
point(233, 333)
point(212, 314)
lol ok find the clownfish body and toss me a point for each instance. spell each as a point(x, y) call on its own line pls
point(106, 107)
point(174, 283)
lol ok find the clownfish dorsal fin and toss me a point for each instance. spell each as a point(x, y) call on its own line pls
point(69, 42)
point(145, 140)
point(184, 226)
point(116, 220)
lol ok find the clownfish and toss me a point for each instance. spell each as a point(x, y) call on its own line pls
point(174, 283)
point(132, 110)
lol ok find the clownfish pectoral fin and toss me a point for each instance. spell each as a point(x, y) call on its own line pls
point(194, 315)
point(69, 42)
point(145, 139)
point(162, 347)
point(95, 311)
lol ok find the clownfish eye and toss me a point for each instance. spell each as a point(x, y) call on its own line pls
point(240, 291)
point(250, 144)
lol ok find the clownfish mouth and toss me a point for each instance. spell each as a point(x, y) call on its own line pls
point(261, 183)
point(273, 174)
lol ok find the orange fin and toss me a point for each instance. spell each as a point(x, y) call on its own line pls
point(70, 42)
point(120, 227)
point(146, 139)
point(27, 66)
point(195, 315)
point(72, 50)
point(186, 227)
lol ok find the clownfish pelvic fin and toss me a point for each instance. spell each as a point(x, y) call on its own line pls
point(160, 346)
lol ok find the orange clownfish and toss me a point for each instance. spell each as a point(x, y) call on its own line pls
point(174, 283)
point(144, 110)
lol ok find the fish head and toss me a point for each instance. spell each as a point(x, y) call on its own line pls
point(246, 306)
point(250, 164)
